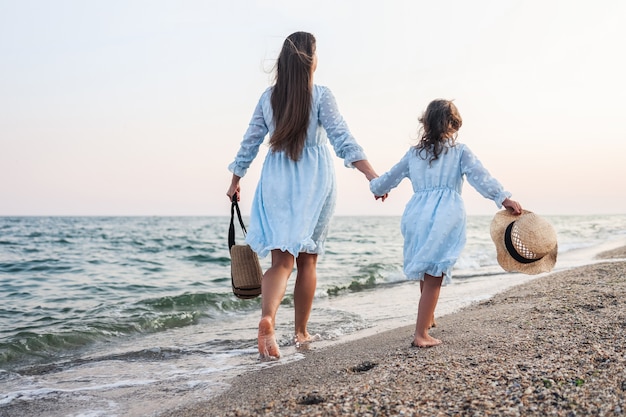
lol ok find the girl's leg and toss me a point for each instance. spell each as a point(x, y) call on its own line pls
point(433, 323)
point(426, 311)
point(304, 291)
point(273, 288)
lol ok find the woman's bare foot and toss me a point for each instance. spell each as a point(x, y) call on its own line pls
point(303, 340)
point(425, 342)
point(268, 348)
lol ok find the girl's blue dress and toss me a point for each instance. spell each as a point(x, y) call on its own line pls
point(294, 201)
point(433, 222)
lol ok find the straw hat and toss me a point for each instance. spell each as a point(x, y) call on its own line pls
point(525, 243)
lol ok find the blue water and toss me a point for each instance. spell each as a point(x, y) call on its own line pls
point(77, 293)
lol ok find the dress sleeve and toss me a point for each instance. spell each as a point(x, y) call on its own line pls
point(479, 178)
point(252, 140)
point(344, 144)
point(390, 179)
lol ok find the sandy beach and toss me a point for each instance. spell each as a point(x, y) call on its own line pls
point(553, 346)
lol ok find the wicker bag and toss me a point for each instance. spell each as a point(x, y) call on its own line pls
point(245, 269)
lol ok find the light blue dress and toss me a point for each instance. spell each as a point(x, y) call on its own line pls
point(433, 222)
point(294, 201)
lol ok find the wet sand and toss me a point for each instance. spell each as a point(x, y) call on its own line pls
point(553, 346)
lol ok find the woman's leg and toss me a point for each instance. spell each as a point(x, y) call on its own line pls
point(426, 311)
point(273, 288)
point(304, 291)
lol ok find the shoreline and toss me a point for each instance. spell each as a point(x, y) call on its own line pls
point(554, 345)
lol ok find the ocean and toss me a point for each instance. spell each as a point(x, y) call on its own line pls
point(127, 316)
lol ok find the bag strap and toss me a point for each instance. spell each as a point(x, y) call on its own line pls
point(231, 230)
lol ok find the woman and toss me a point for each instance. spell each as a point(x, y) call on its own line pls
point(296, 194)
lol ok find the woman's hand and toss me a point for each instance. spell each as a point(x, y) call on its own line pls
point(234, 188)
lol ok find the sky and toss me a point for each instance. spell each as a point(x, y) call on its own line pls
point(137, 107)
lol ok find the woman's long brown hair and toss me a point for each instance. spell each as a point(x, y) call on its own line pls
point(292, 94)
point(440, 124)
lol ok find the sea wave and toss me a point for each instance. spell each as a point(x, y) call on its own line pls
point(67, 283)
point(50, 337)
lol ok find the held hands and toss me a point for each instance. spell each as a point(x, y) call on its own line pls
point(377, 197)
point(382, 197)
point(366, 168)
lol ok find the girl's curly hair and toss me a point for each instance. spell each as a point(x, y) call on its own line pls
point(440, 123)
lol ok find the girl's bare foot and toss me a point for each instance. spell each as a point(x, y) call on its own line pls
point(268, 348)
point(425, 342)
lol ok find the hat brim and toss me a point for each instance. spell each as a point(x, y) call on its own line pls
point(500, 222)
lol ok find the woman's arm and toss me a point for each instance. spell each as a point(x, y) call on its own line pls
point(252, 140)
point(339, 135)
point(366, 168)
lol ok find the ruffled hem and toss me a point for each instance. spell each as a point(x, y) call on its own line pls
point(262, 249)
point(416, 271)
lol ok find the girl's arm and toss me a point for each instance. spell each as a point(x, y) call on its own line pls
point(479, 178)
point(390, 179)
point(512, 206)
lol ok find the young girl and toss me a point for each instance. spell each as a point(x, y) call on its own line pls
point(433, 222)
point(296, 194)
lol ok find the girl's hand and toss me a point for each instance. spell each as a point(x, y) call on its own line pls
point(512, 206)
